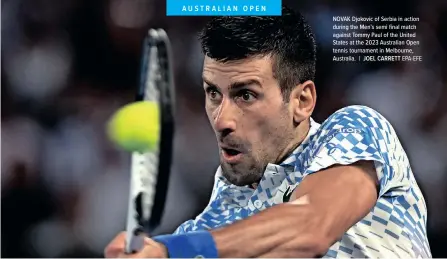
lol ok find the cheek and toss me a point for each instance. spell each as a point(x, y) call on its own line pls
point(267, 132)
point(275, 131)
point(210, 114)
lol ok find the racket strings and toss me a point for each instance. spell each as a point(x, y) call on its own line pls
point(150, 171)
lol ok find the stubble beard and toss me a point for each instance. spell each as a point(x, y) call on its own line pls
point(244, 173)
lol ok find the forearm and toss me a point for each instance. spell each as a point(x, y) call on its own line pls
point(323, 208)
point(282, 231)
point(304, 230)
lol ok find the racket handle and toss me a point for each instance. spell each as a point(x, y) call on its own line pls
point(134, 241)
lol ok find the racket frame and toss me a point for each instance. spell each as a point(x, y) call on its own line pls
point(148, 192)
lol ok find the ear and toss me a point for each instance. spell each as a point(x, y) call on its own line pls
point(302, 101)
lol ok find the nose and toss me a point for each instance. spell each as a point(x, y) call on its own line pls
point(225, 118)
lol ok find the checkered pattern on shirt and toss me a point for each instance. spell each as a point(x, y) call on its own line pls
point(395, 227)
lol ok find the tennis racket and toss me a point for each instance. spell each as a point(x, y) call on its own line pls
point(150, 171)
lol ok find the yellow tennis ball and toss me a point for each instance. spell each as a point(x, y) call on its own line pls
point(135, 127)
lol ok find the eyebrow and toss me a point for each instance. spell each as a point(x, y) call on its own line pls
point(236, 85)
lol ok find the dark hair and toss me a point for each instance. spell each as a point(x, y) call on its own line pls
point(288, 38)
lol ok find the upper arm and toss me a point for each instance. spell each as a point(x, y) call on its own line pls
point(339, 196)
point(358, 133)
point(353, 161)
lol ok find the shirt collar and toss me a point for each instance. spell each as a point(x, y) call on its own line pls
point(290, 160)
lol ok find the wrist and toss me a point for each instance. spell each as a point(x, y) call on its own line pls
point(198, 244)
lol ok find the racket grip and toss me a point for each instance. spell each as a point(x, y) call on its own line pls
point(134, 241)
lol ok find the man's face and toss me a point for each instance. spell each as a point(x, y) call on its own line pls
point(253, 124)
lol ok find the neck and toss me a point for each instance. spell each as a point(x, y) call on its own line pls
point(301, 132)
point(253, 186)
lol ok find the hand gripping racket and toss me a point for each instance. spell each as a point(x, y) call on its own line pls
point(150, 171)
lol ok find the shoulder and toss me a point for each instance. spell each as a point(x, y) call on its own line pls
point(357, 116)
point(355, 126)
point(351, 134)
point(359, 133)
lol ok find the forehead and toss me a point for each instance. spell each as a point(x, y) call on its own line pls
point(259, 68)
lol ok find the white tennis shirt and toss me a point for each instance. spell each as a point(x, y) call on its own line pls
point(395, 227)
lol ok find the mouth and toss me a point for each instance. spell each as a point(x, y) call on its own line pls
point(231, 155)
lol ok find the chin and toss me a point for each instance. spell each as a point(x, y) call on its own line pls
point(240, 175)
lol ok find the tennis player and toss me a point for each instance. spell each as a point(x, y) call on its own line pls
point(288, 186)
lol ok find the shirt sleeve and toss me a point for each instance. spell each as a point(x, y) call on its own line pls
point(357, 133)
point(184, 227)
point(193, 224)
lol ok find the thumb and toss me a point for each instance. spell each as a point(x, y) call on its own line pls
point(153, 249)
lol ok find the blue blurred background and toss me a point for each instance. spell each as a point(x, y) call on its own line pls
point(66, 66)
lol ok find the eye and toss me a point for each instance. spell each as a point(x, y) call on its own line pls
point(247, 96)
point(212, 93)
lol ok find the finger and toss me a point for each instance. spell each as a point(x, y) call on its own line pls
point(148, 241)
point(161, 248)
point(303, 200)
point(116, 246)
point(142, 254)
point(151, 249)
point(154, 250)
